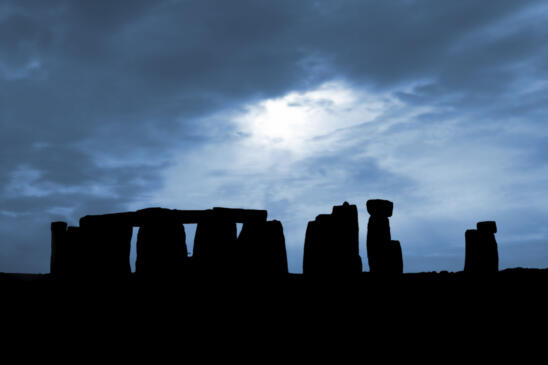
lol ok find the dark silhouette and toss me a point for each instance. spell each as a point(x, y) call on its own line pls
point(60, 258)
point(262, 249)
point(481, 251)
point(384, 254)
point(100, 247)
point(161, 249)
point(331, 244)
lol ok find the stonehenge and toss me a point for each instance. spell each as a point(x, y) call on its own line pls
point(481, 250)
point(100, 246)
point(383, 254)
point(332, 243)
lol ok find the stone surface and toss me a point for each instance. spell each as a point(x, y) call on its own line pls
point(241, 215)
point(481, 249)
point(161, 250)
point(384, 255)
point(214, 246)
point(332, 243)
point(394, 264)
point(487, 226)
point(346, 247)
point(107, 246)
point(310, 256)
point(59, 255)
point(380, 208)
point(261, 248)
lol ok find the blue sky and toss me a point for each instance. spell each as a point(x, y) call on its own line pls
point(438, 106)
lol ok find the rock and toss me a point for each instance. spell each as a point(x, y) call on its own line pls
point(487, 226)
point(161, 250)
point(241, 215)
point(332, 243)
point(346, 248)
point(76, 252)
point(481, 249)
point(261, 247)
point(59, 256)
point(107, 246)
point(394, 258)
point(380, 208)
point(311, 262)
point(471, 256)
point(383, 254)
point(214, 246)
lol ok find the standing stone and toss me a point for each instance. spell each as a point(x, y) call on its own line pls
point(472, 261)
point(310, 261)
point(394, 258)
point(481, 249)
point(261, 248)
point(76, 252)
point(378, 234)
point(108, 246)
point(214, 246)
point(332, 243)
point(318, 249)
point(59, 255)
point(346, 248)
point(161, 250)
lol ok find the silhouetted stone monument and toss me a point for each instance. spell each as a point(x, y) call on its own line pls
point(261, 249)
point(481, 251)
point(311, 262)
point(161, 250)
point(214, 245)
point(332, 243)
point(383, 254)
point(107, 245)
point(347, 256)
point(60, 258)
point(76, 251)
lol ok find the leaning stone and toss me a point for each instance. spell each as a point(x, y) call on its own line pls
point(379, 207)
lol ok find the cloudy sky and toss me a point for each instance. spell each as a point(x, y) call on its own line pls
point(290, 106)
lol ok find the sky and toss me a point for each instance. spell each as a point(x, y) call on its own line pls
point(289, 106)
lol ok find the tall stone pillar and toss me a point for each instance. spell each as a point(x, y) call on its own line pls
point(384, 254)
point(59, 256)
point(214, 246)
point(378, 233)
point(332, 243)
point(471, 263)
point(108, 246)
point(310, 260)
point(261, 249)
point(346, 255)
point(76, 251)
point(161, 250)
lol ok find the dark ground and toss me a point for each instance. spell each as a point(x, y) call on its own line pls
point(420, 317)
